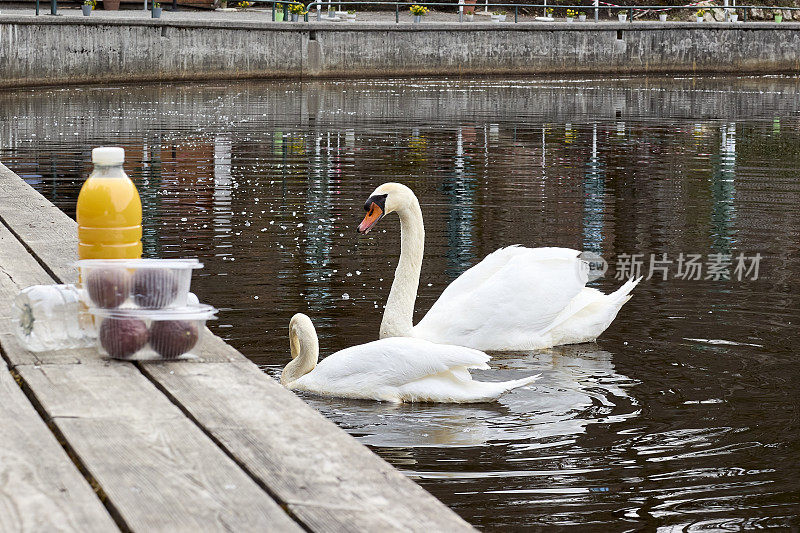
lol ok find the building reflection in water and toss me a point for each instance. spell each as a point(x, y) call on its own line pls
point(594, 190)
point(223, 187)
point(459, 187)
point(323, 183)
point(723, 191)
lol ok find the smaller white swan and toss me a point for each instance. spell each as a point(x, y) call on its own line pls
point(398, 369)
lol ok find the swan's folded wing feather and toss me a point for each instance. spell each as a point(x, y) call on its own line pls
point(479, 273)
point(394, 362)
point(523, 296)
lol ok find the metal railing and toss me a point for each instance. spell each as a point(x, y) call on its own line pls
point(547, 10)
point(282, 7)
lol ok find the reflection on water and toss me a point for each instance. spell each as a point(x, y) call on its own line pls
point(683, 416)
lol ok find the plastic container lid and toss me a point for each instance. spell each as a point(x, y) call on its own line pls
point(140, 263)
point(198, 312)
point(108, 155)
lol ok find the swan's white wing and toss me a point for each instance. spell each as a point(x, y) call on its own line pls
point(392, 363)
point(495, 261)
point(516, 294)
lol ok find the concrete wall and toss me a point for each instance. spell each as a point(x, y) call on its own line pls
point(56, 51)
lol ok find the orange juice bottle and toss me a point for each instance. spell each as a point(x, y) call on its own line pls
point(109, 210)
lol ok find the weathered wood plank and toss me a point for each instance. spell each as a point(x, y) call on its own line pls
point(328, 479)
point(43, 227)
point(160, 472)
point(41, 489)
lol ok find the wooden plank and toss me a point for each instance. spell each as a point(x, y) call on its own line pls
point(160, 472)
point(41, 489)
point(329, 480)
point(43, 227)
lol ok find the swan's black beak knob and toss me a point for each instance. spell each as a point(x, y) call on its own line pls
point(375, 208)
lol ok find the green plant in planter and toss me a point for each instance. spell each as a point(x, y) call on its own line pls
point(297, 9)
point(549, 11)
point(418, 10)
point(701, 13)
point(92, 3)
point(244, 4)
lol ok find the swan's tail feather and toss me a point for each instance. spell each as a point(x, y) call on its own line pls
point(620, 296)
point(516, 383)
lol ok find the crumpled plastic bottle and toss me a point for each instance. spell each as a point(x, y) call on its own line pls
point(52, 317)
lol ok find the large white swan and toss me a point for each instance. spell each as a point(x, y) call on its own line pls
point(515, 299)
point(393, 370)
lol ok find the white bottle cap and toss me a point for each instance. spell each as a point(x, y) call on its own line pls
point(108, 155)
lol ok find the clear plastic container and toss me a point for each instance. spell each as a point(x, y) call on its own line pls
point(151, 335)
point(143, 283)
point(52, 317)
point(55, 317)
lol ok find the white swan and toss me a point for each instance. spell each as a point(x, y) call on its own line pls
point(515, 299)
point(394, 370)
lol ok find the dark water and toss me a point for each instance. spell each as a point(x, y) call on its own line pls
point(683, 416)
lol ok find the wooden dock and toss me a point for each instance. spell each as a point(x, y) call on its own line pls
point(91, 444)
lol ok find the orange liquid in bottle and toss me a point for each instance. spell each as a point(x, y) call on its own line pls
point(109, 213)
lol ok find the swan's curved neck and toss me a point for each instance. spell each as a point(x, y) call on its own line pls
point(399, 314)
point(305, 354)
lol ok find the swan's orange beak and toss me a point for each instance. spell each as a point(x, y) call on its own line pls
point(374, 214)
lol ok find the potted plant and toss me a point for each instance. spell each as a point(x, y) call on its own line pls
point(469, 17)
point(331, 12)
point(156, 12)
point(418, 11)
point(549, 12)
point(295, 10)
point(700, 14)
point(571, 15)
point(495, 16)
point(469, 9)
point(277, 10)
point(581, 17)
point(502, 16)
point(733, 17)
point(778, 17)
point(87, 7)
point(662, 17)
point(244, 4)
point(622, 17)
point(351, 16)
